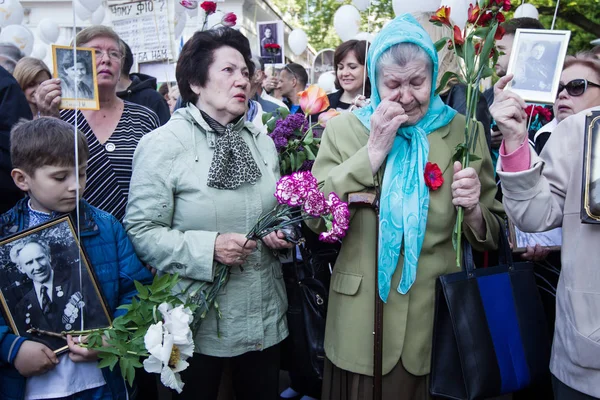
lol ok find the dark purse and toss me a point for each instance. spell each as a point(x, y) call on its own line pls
point(489, 333)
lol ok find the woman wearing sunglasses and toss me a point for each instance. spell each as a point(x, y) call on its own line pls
point(579, 89)
point(544, 192)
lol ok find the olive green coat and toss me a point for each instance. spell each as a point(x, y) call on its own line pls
point(342, 166)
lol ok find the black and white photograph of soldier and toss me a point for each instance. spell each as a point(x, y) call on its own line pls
point(75, 73)
point(49, 295)
point(536, 65)
point(271, 33)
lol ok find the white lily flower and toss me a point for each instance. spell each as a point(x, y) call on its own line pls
point(177, 321)
point(167, 356)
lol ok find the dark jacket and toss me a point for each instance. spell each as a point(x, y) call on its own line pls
point(13, 107)
point(143, 91)
point(267, 106)
point(456, 98)
point(115, 265)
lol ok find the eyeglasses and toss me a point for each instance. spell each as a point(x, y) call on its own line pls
point(288, 69)
point(576, 87)
point(113, 55)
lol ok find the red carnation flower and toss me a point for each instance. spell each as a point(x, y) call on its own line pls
point(209, 7)
point(433, 176)
point(229, 19)
point(506, 5)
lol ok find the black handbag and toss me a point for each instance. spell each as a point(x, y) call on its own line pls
point(489, 334)
point(307, 285)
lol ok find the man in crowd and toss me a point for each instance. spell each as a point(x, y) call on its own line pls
point(9, 56)
point(292, 79)
point(257, 93)
point(141, 89)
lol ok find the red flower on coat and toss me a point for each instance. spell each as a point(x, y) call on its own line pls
point(433, 176)
point(209, 7)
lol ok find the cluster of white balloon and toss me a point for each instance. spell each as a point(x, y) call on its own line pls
point(11, 17)
point(346, 20)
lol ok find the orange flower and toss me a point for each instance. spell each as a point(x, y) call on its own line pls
point(442, 16)
point(458, 36)
point(313, 100)
point(326, 116)
point(473, 13)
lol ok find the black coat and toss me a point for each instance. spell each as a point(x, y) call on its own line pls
point(13, 107)
point(143, 91)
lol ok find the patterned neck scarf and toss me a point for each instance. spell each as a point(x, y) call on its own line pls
point(232, 164)
point(404, 199)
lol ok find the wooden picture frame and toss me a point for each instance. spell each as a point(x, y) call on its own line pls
point(536, 62)
point(50, 256)
point(551, 239)
point(78, 79)
point(590, 196)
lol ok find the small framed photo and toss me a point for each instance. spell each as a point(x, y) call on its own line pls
point(47, 286)
point(590, 196)
point(271, 42)
point(78, 80)
point(536, 61)
point(551, 239)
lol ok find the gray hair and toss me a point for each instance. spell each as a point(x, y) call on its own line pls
point(10, 56)
point(15, 250)
point(259, 64)
point(400, 55)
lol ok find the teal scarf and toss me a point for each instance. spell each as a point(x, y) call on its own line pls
point(404, 198)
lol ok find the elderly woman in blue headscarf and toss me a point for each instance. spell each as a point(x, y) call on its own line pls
point(399, 147)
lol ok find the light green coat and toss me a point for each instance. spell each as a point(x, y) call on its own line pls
point(343, 166)
point(173, 219)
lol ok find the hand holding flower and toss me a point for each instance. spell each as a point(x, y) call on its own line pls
point(466, 190)
point(78, 353)
point(276, 241)
point(233, 248)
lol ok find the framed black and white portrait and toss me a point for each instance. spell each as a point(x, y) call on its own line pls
point(536, 63)
point(47, 286)
point(78, 80)
point(271, 41)
point(590, 196)
point(551, 240)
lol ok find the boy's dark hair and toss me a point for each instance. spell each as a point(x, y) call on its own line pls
point(45, 141)
point(127, 60)
point(299, 73)
point(197, 56)
point(512, 25)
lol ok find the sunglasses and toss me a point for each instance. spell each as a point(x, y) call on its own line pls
point(288, 69)
point(576, 87)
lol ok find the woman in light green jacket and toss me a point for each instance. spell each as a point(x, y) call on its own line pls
point(199, 184)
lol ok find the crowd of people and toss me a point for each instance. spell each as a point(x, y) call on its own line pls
point(171, 179)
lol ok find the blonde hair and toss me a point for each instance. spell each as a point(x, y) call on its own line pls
point(586, 59)
point(447, 60)
point(95, 31)
point(27, 69)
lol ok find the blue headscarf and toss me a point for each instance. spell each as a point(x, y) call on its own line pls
point(404, 197)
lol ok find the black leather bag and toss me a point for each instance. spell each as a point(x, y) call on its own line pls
point(307, 285)
point(489, 334)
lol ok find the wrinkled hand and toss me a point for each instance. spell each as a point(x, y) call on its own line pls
point(233, 248)
point(466, 188)
point(34, 358)
point(385, 121)
point(508, 110)
point(78, 353)
point(270, 83)
point(537, 253)
point(47, 97)
point(276, 240)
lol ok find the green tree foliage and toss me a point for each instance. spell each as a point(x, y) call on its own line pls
point(581, 17)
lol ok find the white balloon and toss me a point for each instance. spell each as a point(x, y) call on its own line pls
point(19, 36)
point(527, 10)
point(362, 5)
point(180, 20)
point(297, 41)
point(98, 16)
point(48, 30)
point(39, 51)
point(81, 12)
point(91, 5)
point(365, 36)
point(346, 22)
point(11, 13)
point(409, 6)
point(327, 81)
point(459, 11)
